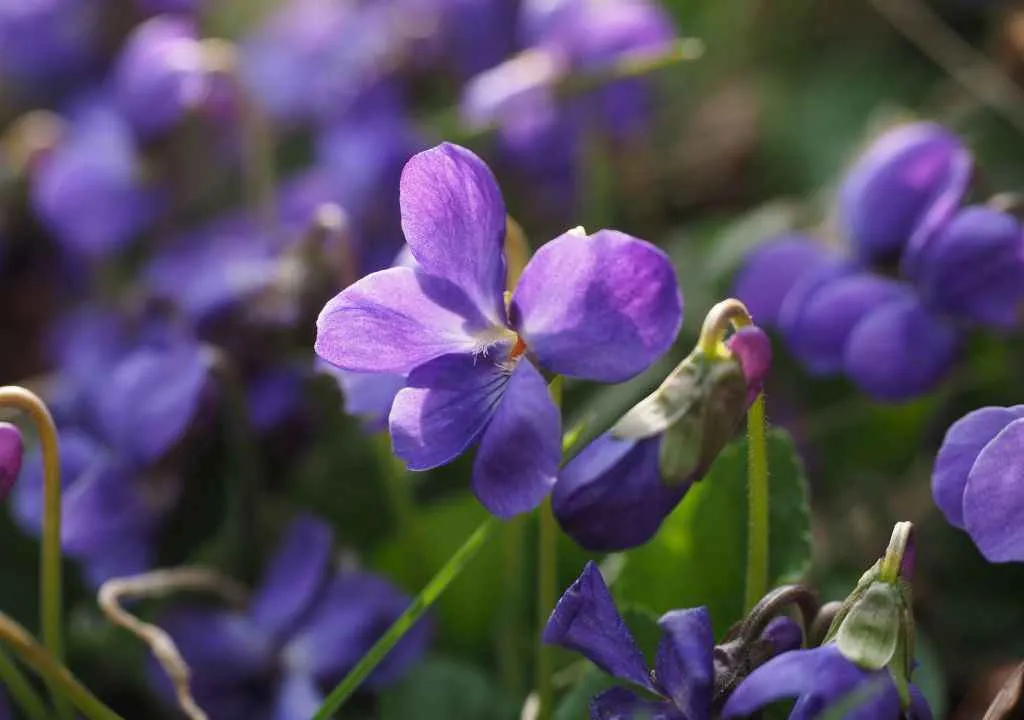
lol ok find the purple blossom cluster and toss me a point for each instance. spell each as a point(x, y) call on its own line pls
point(921, 267)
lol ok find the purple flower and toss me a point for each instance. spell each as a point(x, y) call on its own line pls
point(976, 481)
point(306, 626)
point(908, 182)
point(89, 191)
point(45, 39)
point(160, 77)
point(972, 266)
point(602, 308)
point(585, 620)
point(12, 449)
point(818, 678)
point(771, 271)
point(168, 6)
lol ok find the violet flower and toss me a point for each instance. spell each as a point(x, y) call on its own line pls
point(905, 185)
point(614, 495)
point(306, 626)
point(48, 39)
point(976, 481)
point(602, 308)
point(12, 449)
point(89, 191)
point(818, 678)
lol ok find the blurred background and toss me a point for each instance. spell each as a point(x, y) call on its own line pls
point(188, 174)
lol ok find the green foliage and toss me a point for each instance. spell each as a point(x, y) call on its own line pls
point(440, 688)
point(698, 556)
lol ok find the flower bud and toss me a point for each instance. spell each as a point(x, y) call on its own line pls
point(11, 453)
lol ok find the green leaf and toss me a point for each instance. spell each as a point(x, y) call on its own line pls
point(871, 631)
point(575, 705)
point(698, 557)
point(440, 689)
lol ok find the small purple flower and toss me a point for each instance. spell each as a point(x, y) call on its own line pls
point(908, 182)
point(306, 626)
point(89, 191)
point(160, 77)
point(12, 449)
point(818, 678)
point(168, 6)
point(972, 267)
point(47, 39)
point(586, 621)
point(602, 307)
point(977, 480)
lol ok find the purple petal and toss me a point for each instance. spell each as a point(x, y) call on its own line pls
point(973, 267)
point(611, 496)
point(622, 704)
point(900, 351)
point(906, 184)
point(86, 343)
point(220, 647)
point(12, 449)
point(79, 453)
point(919, 709)
point(602, 307)
point(683, 667)
point(151, 397)
point(275, 396)
point(102, 506)
point(784, 634)
point(772, 269)
point(994, 499)
point(517, 461)
point(819, 329)
point(356, 609)
point(296, 575)
point(822, 673)
point(394, 320)
point(586, 620)
point(453, 218)
point(753, 349)
point(298, 697)
point(444, 407)
point(964, 441)
point(121, 557)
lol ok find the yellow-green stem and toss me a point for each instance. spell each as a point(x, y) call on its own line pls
point(547, 590)
point(50, 557)
point(56, 675)
point(757, 505)
point(21, 690)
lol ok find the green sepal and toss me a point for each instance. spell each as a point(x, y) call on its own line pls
point(873, 630)
point(866, 580)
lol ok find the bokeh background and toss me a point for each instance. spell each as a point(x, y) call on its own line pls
point(216, 218)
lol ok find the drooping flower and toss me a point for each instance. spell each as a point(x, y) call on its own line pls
point(616, 493)
point(682, 685)
point(907, 183)
point(307, 625)
point(11, 452)
point(601, 307)
point(977, 478)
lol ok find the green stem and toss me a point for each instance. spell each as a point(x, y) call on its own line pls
point(433, 590)
point(510, 644)
point(56, 675)
point(21, 689)
point(547, 590)
point(758, 505)
point(50, 557)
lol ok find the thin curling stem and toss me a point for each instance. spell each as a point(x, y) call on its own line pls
point(50, 558)
point(728, 313)
point(758, 528)
point(19, 688)
point(56, 675)
point(547, 590)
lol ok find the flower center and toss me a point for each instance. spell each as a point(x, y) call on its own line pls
point(518, 349)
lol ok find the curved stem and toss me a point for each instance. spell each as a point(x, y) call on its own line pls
point(56, 675)
point(726, 314)
point(757, 505)
point(427, 597)
point(50, 558)
point(21, 689)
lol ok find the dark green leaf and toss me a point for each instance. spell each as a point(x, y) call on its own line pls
point(444, 690)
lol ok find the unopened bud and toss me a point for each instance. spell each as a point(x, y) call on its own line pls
point(11, 452)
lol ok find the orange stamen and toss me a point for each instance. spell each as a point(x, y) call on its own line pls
point(519, 349)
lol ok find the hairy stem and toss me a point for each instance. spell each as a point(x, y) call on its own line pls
point(758, 505)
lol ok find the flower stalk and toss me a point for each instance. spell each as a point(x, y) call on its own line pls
point(21, 690)
point(50, 558)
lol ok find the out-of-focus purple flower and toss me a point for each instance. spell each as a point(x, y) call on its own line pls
point(977, 480)
point(614, 495)
point(274, 396)
point(908, 182)
point(90, 190)
point(307, 626)
point(47, 39)
point(900, 350)
point(12, 449)
point(586, 621)
point(772, 269)
point(168, 6)
point(601, 307)
point(972, 268)
point(818, 678)
point(160, 76)
point(477, 34)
